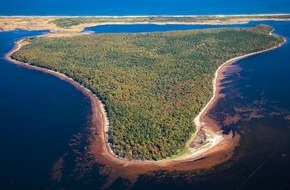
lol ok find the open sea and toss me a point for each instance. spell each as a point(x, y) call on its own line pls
point(142, 7)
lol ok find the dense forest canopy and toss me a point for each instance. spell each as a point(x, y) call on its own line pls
point(152, 84)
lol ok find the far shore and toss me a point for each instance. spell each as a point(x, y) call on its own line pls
point(8, 23)
point(219, 150)
point(145, 16)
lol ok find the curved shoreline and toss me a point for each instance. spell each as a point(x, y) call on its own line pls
point(218, 152)
point(98, 106)
point(201, 117)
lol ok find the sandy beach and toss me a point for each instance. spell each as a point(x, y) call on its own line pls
point(219, 150)
point(8, 23)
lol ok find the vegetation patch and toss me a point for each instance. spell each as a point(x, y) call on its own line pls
point(152, 84)
point(74, 21)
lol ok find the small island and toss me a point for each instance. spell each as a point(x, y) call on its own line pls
point(153, 85)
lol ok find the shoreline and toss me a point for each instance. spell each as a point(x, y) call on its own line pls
point(9, 23)
point(143, 16)
point(218, 152)
point(200, 119)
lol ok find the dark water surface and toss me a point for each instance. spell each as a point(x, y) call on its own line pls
point(142, 7)
point(41, 117)
point(44, 125)
point(260, 95)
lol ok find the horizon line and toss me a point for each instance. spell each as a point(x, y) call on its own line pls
point(144, 16)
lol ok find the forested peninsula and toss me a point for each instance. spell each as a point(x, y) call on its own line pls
point(153, 85)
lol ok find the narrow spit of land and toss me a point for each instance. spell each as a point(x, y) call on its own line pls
point(218, 150)
point(63, 26)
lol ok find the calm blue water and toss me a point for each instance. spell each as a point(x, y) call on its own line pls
point(40, 117)
point(140, 28)
point(143, 7)
point(44, 119)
